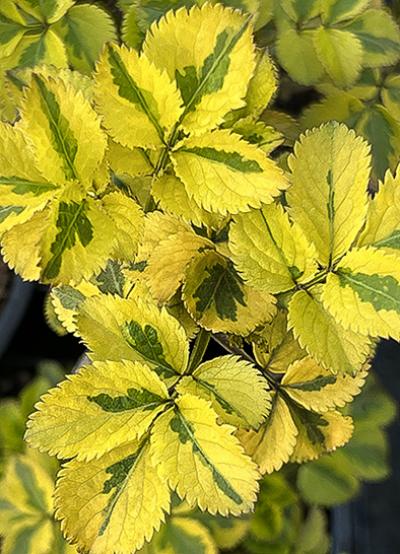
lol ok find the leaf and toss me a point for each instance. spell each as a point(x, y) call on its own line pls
point(364, 293)
point(128, 161)
point(269, 252)
point(382, 228)
point(324, 482)
point(217, 298)
point(275, 347)
point(64, 131)
point(319, 433)
point(26, 506)
point(379, 36)
point(296, 53)
point(263, 136)
point(85, 29)
point(66, 301)
point(317, 389)
point(333, 346)
point(272, 445)
point(237, 391)
point(336, 11)
point(328, 196)
point(182, 535)
point(115, 502)
point(210, 53)
point(341, 54)
point(174, 199)
point(101, 407)
point(46, 48)
point(138, 102)
point(202, 460)
point(166, 267)
point(225, 174)
point(114, 328)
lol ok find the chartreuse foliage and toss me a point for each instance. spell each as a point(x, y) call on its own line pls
point(54, 32)
point(146, 196)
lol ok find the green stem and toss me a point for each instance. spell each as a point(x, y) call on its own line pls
point(199, 349)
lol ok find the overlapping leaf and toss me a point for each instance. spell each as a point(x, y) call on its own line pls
point(217, 298)
point(237, 391)
point(94, 498)
point(202, 460)
point(103, 406)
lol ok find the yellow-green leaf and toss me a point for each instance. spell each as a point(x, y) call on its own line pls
point(102, 406)
point(138, 102)
point(64, 131)
point(271, 253)
point(340, 52)
point(296, 53)
point(218, 300)
point(210, 53)
point(115, 328)
point(317, 389)
point(382, 228)
point(328, 196)
point(237, 391)
point(333, 346)
point(113, 503)
point(364, 292)
point(272, 445)
point(223, 173)
point(202, 460)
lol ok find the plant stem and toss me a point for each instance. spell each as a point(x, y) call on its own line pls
point(199, 349)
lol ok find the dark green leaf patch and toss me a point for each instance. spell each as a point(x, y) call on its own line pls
point(111, 280)
point(23, 186)
point(70, 298)
point(233, 160)
point(383, 292)
point(6, 211)
point(392, 241)
point(72, 223)
point(223, 288)
point(63, 140)
point(133, 400)
point(186, 433)
point(129, 89)
point(146, 342)
point(315, 385)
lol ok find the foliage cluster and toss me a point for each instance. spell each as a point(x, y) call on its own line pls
point(168, 203)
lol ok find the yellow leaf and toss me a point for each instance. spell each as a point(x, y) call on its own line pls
point(181, 532)
point(222, 173)
point(272, 445)
point(328, 196)
point(114, 503)
point(166, 268)
point(67, 299)
point(382, 228)
point(364, 293)
point(237, 391)
point(216, 297)
point(129, 161)
point(138, 102)
point(210, 53)
point(173, 198)
point(317, 389)
point(115, 328)
point(317, 331)
point(321, 434)
point(271, 253)
point(275, 347)
point(104, 405)
point(296, 53)
point(202, 460)
point(63, 129)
